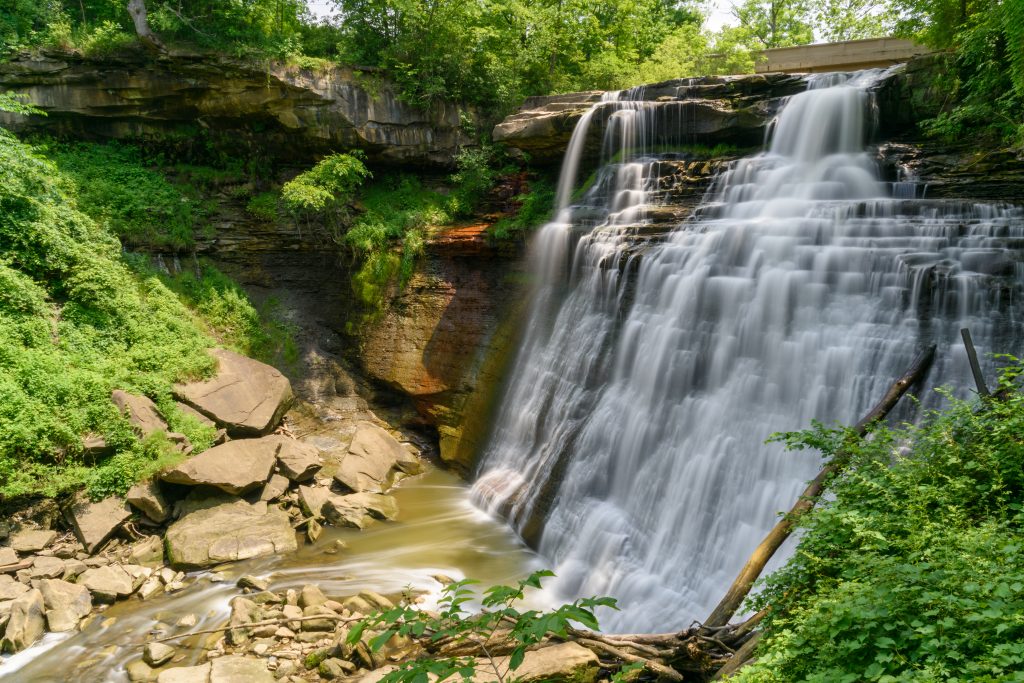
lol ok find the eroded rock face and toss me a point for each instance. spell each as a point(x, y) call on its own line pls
point(246, 397)
point(227, 532)
point(292, 113)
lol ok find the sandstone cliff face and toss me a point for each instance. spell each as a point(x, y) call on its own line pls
point(287, 112)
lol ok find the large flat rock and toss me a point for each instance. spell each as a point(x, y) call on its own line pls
point(246, 397)
point(235, 467)
point(94, 523)
point(227, 532)
point(371, 459)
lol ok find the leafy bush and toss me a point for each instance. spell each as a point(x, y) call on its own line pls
point(536, 207)
point(454, 622)
point(912, 571)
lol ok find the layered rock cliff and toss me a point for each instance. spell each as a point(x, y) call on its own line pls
point(288, 113)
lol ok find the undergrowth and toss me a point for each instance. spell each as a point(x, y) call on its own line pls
point(911, 570)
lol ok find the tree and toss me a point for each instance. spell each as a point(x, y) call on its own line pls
point(775, 23)
point(838, 20)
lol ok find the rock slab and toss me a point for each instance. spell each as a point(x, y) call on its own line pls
point(148, 499)
point(66, 604)
point(94, 523)
point(235, 467)
point(227, 532)
point(140, 411)
point(27, 622)
point(371, 457)
point(246, 397)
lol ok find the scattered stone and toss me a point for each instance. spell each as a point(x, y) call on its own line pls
point(359, 510)
point(157, 654)
point(8, 556)
point(186, 674)
point(94, 523)
point(246, 396)
point(284, 632)
point(228, 532)
point(376, 599)
point(312, 499)
point(26, 624)
point(188, 620)
point(147, 497)
point(311, 595)
point(108, 583)
point(292, 612)
point(140, 672)
point(371, 457)
point(66, 604)
point(151, 587)
point(140, 411)
point(275, 488)
point(253, 582)
point(11, 589)
point(296, 460)
point(236, 467)
point(326, 624)
point(32, 540)
point(333, 667)
point(149, 552)
point(243, 612)
point(73, 569)
point(237, 669)
point(44, 567)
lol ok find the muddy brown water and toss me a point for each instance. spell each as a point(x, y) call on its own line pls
point(438, 531)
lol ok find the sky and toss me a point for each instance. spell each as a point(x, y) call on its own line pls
point(717, 17)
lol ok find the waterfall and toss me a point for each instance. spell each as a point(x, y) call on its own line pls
point(629, 446)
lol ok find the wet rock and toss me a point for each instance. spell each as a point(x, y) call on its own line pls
point(157, 654)
point(296, 460)
point(235, 467)
point(8, 556)
point(185, 674)
point(246, 397)
point(237, 669)
point(94, 523)
point(44, 567)
point(140, 411)
point(275, 488)
point(107, 583)
point(359, 509)
point(66, 604)
point(147, 497)
point(243, 613)
point(228, 532)
point(27, 622)
point(253, 582)
point(371, 457)
point(150, 587)
point(32, 540)
point(149, 552)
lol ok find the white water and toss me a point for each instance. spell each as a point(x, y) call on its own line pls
point(633, 428)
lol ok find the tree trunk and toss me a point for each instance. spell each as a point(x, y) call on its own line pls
point(137, 10)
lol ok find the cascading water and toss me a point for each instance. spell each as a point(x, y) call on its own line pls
point(630, 443)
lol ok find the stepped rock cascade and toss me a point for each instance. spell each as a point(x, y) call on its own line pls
point(630, 443)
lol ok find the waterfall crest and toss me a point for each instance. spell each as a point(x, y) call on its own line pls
point(630, 442)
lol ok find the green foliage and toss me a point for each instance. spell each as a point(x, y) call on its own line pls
point(775, 23)
point(18, 104)
point(535, 208)
point(264, 205)
point(911, 571)
point(839, 20)
point(75, 323)
point(114, 187)
point(326, 190)
point(474, 179)
point(454, 622)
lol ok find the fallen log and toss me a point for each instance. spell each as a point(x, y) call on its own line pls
point(740, 588)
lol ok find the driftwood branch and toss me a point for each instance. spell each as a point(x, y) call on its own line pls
point(777, 536)
point(972, 358)
point(655, 667)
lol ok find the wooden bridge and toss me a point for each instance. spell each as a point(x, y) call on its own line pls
point(847, 56)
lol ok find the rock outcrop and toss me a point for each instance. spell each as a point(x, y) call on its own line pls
point(246, 397)
point(289, 112)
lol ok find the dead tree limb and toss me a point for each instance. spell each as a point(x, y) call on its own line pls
point(742, 656)
point(972, 358)
point(776, 537)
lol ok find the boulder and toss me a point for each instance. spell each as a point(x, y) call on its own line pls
point(227, 532)
point(156, 654)
point(562, 663)
point(94, 523)
point(66, 604)
point(27, 622)
point(8, 556)
point(107, 583)
point(238, 669)
point(185, 674)
point(32, 540)
point(140, 672)
point(296, 460)
point(235, 467)
point(149, 552)
point(140, 411)
point(371, 457)
point(243, 613)
point(359, 509)
point(147, 497)
point(45, 567)
point(10, 588)
point(312, 499)
point(311, 595)
point(246, 397)
point(275, 488)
